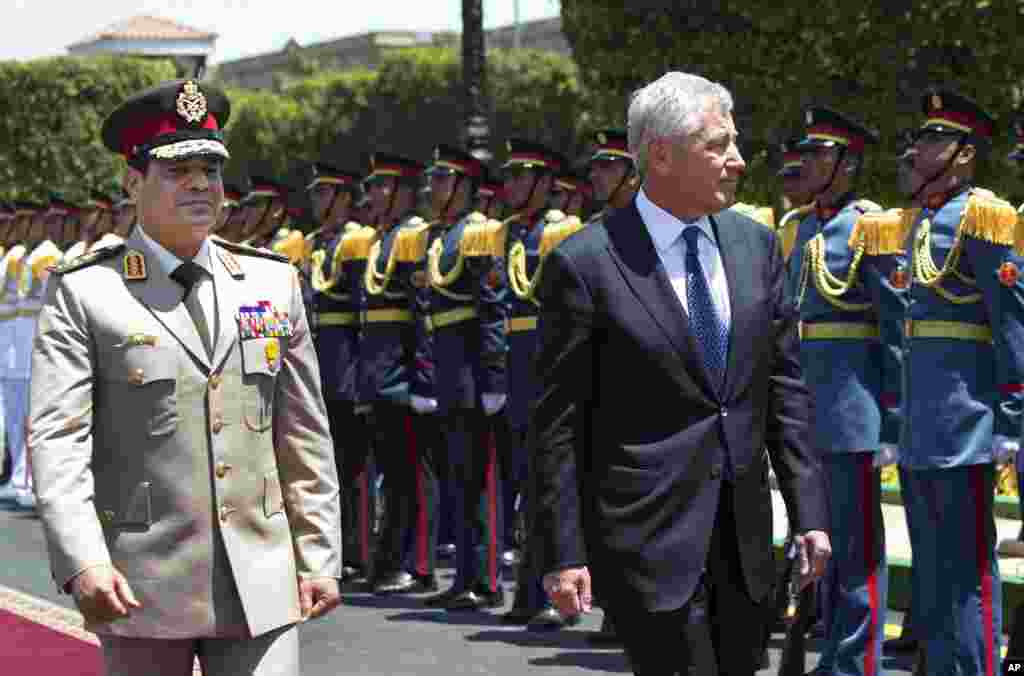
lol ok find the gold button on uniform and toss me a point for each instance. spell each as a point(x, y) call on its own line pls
point(214, 381)
point(222, 470)
point(224, 512)
point(218, 425)
point(137, 377)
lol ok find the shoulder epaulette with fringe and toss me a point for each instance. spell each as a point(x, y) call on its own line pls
point(85, 260)
point(351, 226)
point(989, 218)
point(789, 225)
point(557, 233)
point(355, 245)
point(883, 233)
point(246, 250)
point(484, 239)
point(411, 242)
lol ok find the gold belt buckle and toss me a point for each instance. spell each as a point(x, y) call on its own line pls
point(908, 328)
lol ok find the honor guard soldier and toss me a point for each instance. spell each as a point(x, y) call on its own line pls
point(612, 172)
point(233, 194)
point(340, 245)
point(180, 446)
point(15, 383)
point(796, 195)
point(572, 194)
point(532, 231)
point(963, 357)
point(386, 352)
point(460, 368)
point(848, 373)
point(265, 211)
point(488, 195)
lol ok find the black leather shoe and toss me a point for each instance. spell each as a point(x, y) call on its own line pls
point(395, 583)
point(903, 644)
point(472, 599)
point(607, 634)
point(349, 572)
point(441, 600)
point(518, 616)
point(550, 619)
point(446, 550)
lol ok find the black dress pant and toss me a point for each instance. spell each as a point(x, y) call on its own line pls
point(719, 630)
point(351, 435)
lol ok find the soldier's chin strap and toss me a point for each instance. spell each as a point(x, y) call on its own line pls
point(949, 164)
point(832, 177)
point(626, 177)
point(451, 197)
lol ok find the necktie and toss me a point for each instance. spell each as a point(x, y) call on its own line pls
point(188, 275)
point(708, 325)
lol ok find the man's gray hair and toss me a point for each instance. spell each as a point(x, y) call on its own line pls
point(670, 107)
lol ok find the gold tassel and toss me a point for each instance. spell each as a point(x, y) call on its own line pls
point(991, 219)
point(411, 243)
point(883, 233)
point(554, 235)
point(486, 239)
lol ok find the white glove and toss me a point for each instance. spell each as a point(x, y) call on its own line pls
point(1004, 449)
point(422, 405)
point(888, 454)
point(493, 403)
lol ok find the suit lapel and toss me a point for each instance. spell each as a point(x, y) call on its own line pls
point(162, 296)
point(734, 249)
point(632, 249)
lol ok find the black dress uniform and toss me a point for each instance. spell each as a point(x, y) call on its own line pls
point(336, 338)
point(387, 341)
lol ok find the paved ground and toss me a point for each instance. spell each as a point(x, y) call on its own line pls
point(394, 636)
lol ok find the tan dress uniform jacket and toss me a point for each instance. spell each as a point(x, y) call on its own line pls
point(210, 483)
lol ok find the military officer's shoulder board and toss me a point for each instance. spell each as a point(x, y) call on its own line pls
point(91, 258)
point(484, 239)
point(246, 250)
point(883, 233)
point(554, 235)
point(789, 225)
point(411, 242)
point(355, 244)
point(989, 218)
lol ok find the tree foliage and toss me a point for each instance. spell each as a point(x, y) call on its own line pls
point(872, 59)
point(50, 119)
point(412, 102)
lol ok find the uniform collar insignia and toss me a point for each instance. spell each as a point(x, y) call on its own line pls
point(134, 266)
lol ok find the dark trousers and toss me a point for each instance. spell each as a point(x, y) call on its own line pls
point(408, 485)
point(420, 544)
point(351, 435)
point(718, 631)
point(473, 463)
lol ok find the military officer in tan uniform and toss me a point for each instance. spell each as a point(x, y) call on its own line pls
point(182, 461)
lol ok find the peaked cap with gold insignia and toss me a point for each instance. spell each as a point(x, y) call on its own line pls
point(171, 121)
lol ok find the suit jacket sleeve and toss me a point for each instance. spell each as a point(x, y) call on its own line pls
point(787, 437)
point(60, 435)
point(305, 453)
point(557, 441)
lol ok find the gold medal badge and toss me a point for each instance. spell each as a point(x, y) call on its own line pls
point(1009, 273)
point(272, 352)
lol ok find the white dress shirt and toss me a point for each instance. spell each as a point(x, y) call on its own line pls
point(204, 288)
point(667, 232)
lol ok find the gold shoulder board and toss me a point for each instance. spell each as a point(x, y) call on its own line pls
point(883, 232)
point(246, 250)
point(989, 218)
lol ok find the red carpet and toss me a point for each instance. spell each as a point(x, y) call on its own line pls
point(28, 647)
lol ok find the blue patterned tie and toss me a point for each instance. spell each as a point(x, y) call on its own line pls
point(709, 327)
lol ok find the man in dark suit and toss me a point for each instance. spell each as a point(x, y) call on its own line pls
point(669, 361)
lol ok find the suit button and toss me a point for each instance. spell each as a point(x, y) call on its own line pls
point(716, 472)
point(214, 381)
point(222, 470)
